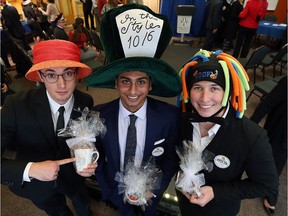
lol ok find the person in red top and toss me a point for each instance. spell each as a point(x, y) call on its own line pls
point(253, 12)
point(78, 36)
point(100, 5)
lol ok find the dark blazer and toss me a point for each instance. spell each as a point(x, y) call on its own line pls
point(247, 147)
point(162, 123)
point(27, 125)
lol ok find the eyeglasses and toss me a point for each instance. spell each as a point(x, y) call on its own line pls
point(53, 78)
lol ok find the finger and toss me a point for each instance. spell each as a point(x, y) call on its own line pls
point(66, 161)
point(188, 196)
point(92, 166)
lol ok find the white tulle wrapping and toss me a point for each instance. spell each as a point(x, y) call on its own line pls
point(191, 162)
point(136, 181)
point(84, 130)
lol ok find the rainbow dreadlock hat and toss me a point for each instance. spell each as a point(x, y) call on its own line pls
point(220, 68)
point(134, 38)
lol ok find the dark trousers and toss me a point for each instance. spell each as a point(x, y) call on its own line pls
point(88, 15)
point(55, 204)
point(243, 41)
point(210, 39)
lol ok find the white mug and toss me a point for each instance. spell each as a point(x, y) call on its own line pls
point(85, 157)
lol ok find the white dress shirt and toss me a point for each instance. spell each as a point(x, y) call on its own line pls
point(140, 124)
point(202, 142)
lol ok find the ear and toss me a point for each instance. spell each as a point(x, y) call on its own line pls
point(116, 84)
point(150, 85)
point(41, 77)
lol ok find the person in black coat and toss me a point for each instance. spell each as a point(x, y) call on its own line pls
point(274, 105)
point(59, 31)
point(10, 19)
point(42, 170)
point(216, 126)
point(32, 20)
point(231, 23)
point(213, 25)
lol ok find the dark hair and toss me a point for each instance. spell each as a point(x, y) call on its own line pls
point(77, 32)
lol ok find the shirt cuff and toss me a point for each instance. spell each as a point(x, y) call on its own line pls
point(26, 177)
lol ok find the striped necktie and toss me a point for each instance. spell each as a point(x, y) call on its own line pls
point(131, 141)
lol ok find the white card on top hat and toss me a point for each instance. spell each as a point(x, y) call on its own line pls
point(139, 32)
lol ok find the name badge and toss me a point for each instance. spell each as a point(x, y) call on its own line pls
point(222, 161)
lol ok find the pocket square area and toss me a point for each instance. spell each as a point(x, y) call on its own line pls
point(159, 141)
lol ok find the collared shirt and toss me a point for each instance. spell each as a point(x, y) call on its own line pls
point(202, 142)
point(123, 123)
point(54, 113)
point(55, 106)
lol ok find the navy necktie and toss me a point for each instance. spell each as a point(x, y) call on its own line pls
point(60, 121)
point(131, 141)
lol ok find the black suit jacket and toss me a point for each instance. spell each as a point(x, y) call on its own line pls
point(27, 124)
point(11, 19)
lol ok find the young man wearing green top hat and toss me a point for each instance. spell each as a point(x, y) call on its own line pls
point(134, 39)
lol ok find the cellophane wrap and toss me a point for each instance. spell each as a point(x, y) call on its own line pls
point(192, 161)
point(136, 181)
point(84, 129)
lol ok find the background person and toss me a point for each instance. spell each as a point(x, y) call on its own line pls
point(231, 24)
point(51, 13)
point(78, 36)
point(274, 105)
point(59, 31)
point(87, 11)
point(41, 18)
point(253, 12)
point(215, 93)
point(214, 21)
point(108, 6)
point(32, 20)
point(42, 170)
point(11, 23)
point(96, 15)
point(100, 5)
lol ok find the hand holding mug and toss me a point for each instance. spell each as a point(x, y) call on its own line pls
point(85, 157)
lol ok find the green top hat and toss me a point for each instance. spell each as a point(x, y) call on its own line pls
point(134, 38)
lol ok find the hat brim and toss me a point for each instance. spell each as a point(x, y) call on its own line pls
point(165, 80)
point(83, 70)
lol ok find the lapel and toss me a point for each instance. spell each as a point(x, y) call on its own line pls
point(151, 128)
point(42, 111)
point(77, 104)
point(111, 121)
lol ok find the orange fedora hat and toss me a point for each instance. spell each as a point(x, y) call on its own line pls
point(54, 54)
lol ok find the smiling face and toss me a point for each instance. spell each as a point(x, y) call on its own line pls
point(133, 88)
point(61, 90)
point(206, 98)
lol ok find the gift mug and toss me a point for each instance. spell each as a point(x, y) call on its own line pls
point(85, 157)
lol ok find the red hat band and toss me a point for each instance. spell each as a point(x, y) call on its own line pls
point(60, 50)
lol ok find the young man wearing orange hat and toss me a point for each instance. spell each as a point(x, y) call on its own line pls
point(42, 170)
point(134, 39)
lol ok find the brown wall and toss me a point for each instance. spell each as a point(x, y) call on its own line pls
point(280, 11)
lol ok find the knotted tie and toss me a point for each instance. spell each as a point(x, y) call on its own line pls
point(60, 121)
point(130, 141)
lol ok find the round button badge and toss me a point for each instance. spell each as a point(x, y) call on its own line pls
point(222, 161)
point(158, 151)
